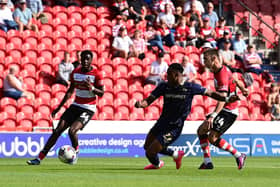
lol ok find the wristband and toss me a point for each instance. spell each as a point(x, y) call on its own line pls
point(214, 114)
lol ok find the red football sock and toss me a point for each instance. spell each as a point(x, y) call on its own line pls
point(41, 155)
point(204, 144)
point(224, 145)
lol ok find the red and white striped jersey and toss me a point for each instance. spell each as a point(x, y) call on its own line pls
point(85, 98)
point(224, 82)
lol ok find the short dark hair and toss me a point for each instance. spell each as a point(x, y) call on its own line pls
point(86, 52)
point(209, 53)
point(176, 67)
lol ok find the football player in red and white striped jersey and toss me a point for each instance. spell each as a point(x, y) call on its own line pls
point(87, 82)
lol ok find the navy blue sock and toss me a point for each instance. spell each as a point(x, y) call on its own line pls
point(167, 151)
point(153, 159)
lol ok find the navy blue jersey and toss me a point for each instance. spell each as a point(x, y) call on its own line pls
point(177, 100)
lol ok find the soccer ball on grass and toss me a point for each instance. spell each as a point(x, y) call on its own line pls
point(67, 154)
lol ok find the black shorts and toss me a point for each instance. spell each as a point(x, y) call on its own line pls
point(167, 133)
point(223, 121)
point(76, 113)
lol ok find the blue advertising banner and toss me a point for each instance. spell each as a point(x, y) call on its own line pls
point(131, 145)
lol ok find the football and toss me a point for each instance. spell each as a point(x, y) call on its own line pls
point(67, 154)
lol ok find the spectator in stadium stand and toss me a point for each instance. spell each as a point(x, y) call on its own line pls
point(159, 6)
point(239, 46)
point(23, 16)
point(221, 28)
point(153, 38)
point(65, 68)
point(182, 32)
point(139, 45)
point(13, 86)
point(211, 14)
point(198, 4)
point(194, 14)
point(189, 73)
point(166, 35)
point(207, 33)
point(167, 16)
point(7, 21)
point(137, 10)
point(121, 8)
point(158, 71)
point(178, 14)
point(121, 44)
point(227, 54)
point(252, 61)
point(275, 109)
point(78, 59)
point(271, 98)
point(193, 32)
point(221, 41)
point(36, 7)
point(117, 26)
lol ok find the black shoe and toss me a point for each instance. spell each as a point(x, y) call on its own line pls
point(35, 161)
point(206, 166)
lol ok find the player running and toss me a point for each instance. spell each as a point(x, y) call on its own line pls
point(178, 97)
point(224, 115)
point(87, 81)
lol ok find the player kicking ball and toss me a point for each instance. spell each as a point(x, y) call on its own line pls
point(87, 82)
point(224, 115)
point(178, 96)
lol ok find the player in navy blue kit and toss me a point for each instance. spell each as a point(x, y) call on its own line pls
point(178, 97)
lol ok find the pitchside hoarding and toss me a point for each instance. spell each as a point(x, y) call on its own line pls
point(131, 145)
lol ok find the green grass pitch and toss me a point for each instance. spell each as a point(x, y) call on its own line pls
point(129, 172)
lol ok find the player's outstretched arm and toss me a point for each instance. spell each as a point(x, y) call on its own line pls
point(145, 102)
point(220, 97)
point(67, 95)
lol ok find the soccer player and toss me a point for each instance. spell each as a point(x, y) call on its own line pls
point(88, 83)
point(224, 115)
point(178, 97)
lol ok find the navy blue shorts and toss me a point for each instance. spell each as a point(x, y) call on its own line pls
point(13, 94)
point(167, 133)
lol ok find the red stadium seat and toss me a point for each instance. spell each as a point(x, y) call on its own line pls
point(25, 125)
point(16, 41)
point(198, 100)
point(90, 16)
point(2, 42)
point(122, 86)
point(121, 70)
point(107, 113)
point(108, 84)
point(119, 101)
point(8, 125)
point(136, 70)
point(87, 9)
point(148, 89)
point(135, 88)
point(47, 28)
point(137, 114)
point(11, 108)
point(122, 113)
point(73, 9)
point(47, 41)
point(107, 70)
point(103, 12)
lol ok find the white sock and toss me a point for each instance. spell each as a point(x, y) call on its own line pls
point(175, 154)
point(207, 160)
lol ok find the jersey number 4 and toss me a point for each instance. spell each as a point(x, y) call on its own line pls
point(219, 121)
